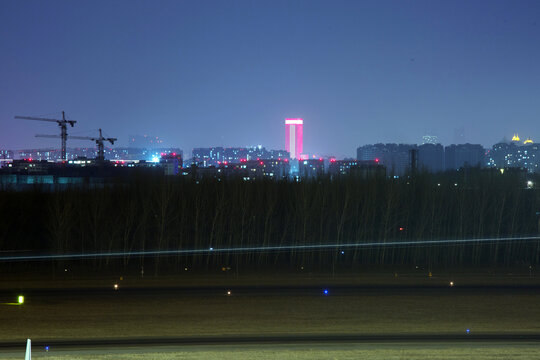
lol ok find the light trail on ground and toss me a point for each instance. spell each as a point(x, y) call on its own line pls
point(314, 247)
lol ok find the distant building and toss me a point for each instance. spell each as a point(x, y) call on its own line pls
point(340, 167)
point(246, 169)
point(515, 155)
point(91, 153)
point(171, 163)
point(215, 156)
point(6, 156)
point(464, 155)
point(294, 129)
point(431, 157)
point(395, 157)
point(311, 168)
point(268, 168)
point(361, 169)
point(20, 174)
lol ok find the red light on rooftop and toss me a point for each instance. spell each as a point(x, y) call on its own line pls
point(224, 163)
point(174, 154)
point(376, 160)
point(286, 160)
point(261, 163)
point(320, 159)
point(332, 160)
point(401, 229)
point(258, 159)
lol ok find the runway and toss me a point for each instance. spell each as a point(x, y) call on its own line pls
point(278, 343)
point(281, 339)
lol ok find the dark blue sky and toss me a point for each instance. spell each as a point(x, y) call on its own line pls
point(201, 73)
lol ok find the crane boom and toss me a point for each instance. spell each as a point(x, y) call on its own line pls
point(69, 137)
point(63, 128)
point(99, 142)
point(35, 118)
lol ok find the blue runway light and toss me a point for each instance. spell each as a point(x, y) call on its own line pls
point(342, 252)
point(47, 348)
point(468, 331)
point(325, 292)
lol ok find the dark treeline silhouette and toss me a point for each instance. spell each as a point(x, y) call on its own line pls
point(168, 213)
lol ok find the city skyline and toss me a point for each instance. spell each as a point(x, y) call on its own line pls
point(226, 74)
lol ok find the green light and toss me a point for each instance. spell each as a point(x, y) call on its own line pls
point(21, 300)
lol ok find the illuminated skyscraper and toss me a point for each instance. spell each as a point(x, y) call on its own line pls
point(294, 137)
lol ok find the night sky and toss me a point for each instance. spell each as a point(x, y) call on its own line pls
point(227, 73)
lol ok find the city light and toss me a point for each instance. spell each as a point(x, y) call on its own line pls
point(294, 121)
point(294, 137)
point(20, 300)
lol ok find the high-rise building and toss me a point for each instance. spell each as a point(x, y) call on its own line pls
point(464, 155)
point(431, 157)
point(294, 137)
point(513, 154)
point(395, 157)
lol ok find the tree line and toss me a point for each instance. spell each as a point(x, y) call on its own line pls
point(171, 213)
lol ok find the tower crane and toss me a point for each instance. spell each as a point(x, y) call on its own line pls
point(63, 128)
point(99, 142)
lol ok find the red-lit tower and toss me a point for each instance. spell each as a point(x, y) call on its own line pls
point(294, 137)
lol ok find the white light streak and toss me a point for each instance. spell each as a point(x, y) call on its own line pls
point(423, 243)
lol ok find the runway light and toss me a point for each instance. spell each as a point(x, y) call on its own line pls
point(468, 331)
point(211, 248)
point(342, 252)
point(20, 300)
point(47, 348)
point(451, 283)
point(325, 292)
point(228, 292)
point(115, 286)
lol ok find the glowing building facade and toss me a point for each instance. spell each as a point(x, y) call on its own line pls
point(294, 137)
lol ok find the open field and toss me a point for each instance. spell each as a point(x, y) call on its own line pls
point(301, 276)
point(308, 352)
point(173, 312)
